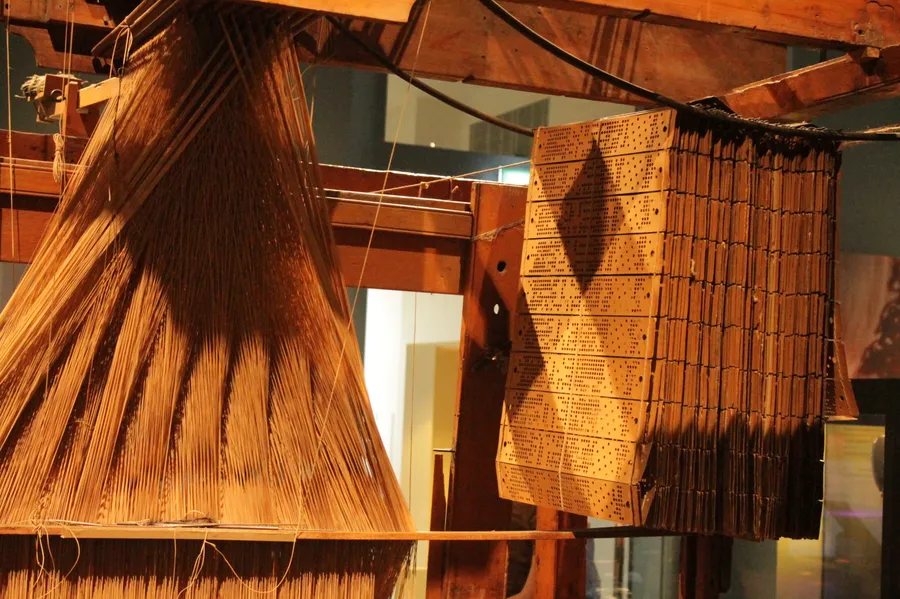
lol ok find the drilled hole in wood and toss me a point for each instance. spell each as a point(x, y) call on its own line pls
point(501, 266)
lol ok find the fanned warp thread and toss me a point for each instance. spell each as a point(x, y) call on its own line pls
point(179, 344)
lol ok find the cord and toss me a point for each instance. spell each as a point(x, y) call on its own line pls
point(393, 68)
point(657, 98)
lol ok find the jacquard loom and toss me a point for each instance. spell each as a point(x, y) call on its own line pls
point(654, 328)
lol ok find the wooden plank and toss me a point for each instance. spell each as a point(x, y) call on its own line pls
point(851, 80)
point(434, 583)
point(465, 42)
point(98, 93)
point(188, 532)
point(398, 183)
point(396, 218)
point(22, 226)
point(560, 566)
point(38, 146)
point(489, 300)
point(396, 11)
point(414, 249)
point(401, 261)
point(705, 566)
point(36, 179)
point(96, 15)
point(79, 12)
point(48, 52)
point(817, 23)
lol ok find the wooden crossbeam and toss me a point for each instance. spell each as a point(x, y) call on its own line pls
point(396, 11)
point(819, 23)
point(464, 42)
point(854, 79)
point(422, 240)
point(47, 11)
point(289, 535)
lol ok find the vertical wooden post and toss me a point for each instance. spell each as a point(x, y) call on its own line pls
point(434, 588)
point(75, 123)
point(560, 565)
point(489, 304)
point(705, 566)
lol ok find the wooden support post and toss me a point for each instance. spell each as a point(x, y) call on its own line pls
point(489, 303)
point(77, 121)
point(434, 583)
point(560, 566)
point(705, 567)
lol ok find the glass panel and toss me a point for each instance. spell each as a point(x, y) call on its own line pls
point(851, 527)
point(644, 568)
point(431, 123)
point(845, 561)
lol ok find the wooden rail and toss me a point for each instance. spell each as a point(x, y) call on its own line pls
point(289, 535)
point(422, 236)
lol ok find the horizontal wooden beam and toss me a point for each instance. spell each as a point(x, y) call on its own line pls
point(289, 535)
point(854, 79)
point(81, 13)
point(465, 42)
point(395, 214)
point(91, 95)
point(818, 23)
point(396, 11)
point(420, 244)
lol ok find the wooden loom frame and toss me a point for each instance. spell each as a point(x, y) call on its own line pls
point(453, 237)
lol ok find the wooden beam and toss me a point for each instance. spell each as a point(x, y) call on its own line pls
point(818, 23)
point(705, 570)
point(489, 302)
point(402, 262)
point(854, 79)
point(421, 243)
point(465, 42)
point(560, 566)
point(396, 11)
point(187, 532)
point(434, 583)
point(48, 52)
point(79, 12)
point(427, 218)
point(91, 95)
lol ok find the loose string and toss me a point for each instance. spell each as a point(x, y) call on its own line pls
point(126, 49)
point(412, 412)
point(323, 426)
point(60, 582)
point(426, 184)
point(9, 138)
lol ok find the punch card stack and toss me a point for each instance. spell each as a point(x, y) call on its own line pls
point(673, 356)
